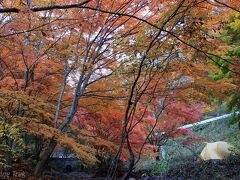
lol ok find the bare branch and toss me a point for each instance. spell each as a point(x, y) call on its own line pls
point(45, 8)
point(228, 6)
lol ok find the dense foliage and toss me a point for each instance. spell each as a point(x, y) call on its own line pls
point(111, 80)
point(229, 63)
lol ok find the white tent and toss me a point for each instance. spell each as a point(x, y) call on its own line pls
point(216, 150)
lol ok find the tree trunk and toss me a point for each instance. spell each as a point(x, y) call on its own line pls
point(44, 157)
point(132, 160)
point(128, 173)
point(8, 156)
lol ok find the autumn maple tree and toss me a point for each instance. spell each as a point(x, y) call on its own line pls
point(228, 61)
point(101, 77)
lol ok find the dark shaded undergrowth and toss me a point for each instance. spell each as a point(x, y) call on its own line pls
point(203, 170)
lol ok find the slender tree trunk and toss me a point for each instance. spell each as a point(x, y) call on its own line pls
point(130, 169)
point(131, 161)
point(44, 157)
point(38, 142)
point(8, 156)
point(60, 100)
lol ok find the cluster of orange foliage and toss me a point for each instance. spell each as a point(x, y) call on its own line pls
point(93, 75)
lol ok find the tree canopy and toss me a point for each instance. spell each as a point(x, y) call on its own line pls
point(113, 79)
